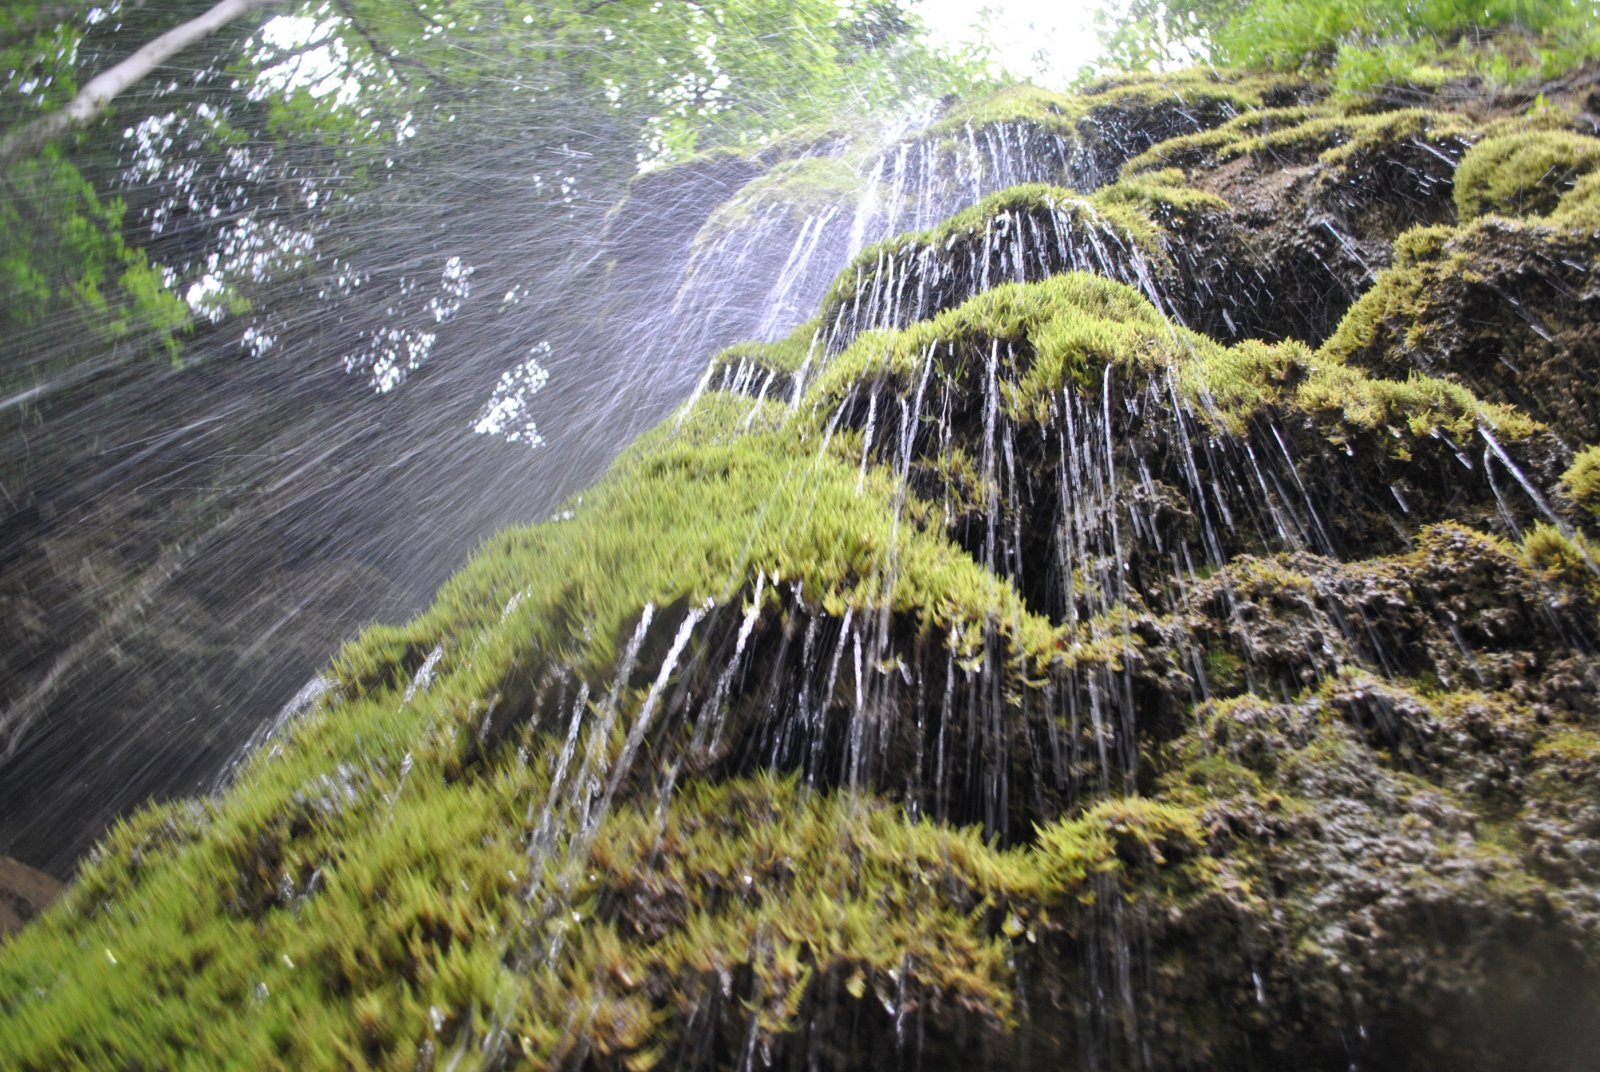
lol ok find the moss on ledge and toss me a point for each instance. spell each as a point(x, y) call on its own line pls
point(1031, 231)
point(1023, 103)
point(791, 191)
point(1581, 481)
point(1504, 307)
point(1072, 327)
point(1041, 645)
point(1523, 174)
point(1117, 117)
point(1324, 133)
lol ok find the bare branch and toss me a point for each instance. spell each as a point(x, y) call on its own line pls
point(96, 96)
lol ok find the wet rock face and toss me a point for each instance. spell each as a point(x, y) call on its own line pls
point(1314, 205)
point(1008, 675)
point(1508, 308)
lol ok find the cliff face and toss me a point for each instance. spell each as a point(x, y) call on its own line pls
point(1143, 626)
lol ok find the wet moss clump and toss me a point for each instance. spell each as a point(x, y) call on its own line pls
point(1582, 480)
point(1020, 234)
point(1328, 133)
point(790, 191)
point(1027, 104)
point(769, 369)
point(1523, 174)
point(1116, 118)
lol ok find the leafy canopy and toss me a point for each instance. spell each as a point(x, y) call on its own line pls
point(246, 174)
point(1364, 43)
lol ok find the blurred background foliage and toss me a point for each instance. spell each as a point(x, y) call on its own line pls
point(287, 159)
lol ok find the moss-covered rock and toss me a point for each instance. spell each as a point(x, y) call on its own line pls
point(1506, 308)
point(1582, 480)
point(993, 671)
point(1022, 234)
point(1523, 174)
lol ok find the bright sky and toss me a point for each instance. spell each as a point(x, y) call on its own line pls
point(1046, 41)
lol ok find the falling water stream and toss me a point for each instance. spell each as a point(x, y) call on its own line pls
point(350, 504)
point(1133, 513)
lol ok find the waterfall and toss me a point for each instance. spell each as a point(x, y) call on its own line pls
point(1006, 644)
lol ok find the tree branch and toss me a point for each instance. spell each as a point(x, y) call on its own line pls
point(96, 96)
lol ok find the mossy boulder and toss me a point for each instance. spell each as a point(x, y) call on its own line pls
point(1317, 194)
point(1006, 674)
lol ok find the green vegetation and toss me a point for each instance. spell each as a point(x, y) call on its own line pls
point(792, 191)
point(565, 816)
point(1162, 197)
point(1523, 174)
point(1113, 229)
point(1580, 207)
point(1065, 330)
point(1174, 102)
point(786, 357)
point(65, 256)
point(238, 183)
point(1339, 140)
point(1581, 481)
point(1364, 46)
point(1570, 557)
point(366, 888)
point(1037, 108)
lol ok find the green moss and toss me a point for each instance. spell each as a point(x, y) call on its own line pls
point(793, 888)
point(1206, 148)
point(786, 357)
point(1569, 558)
point(1072, 326)
point(1225, 670)
point(1400, 298)
point(1196, 96)
point(793, 190)
point(1420, 245)
point(1020, 103)
point(1416, 406)
point(398, 875)
point(1231, 384)
point(1173, 101)
point(1142, 846)
point(1569, 748)
point(1341, 141)
point(1523, 174)
point(1581, 481)
point(1162, 197)
point(1112, 223)
point(1397, 298)
point(1580, 207)
point(663, 183)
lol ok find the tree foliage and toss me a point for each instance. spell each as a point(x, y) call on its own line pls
point(271, 164)
point(1364, 43)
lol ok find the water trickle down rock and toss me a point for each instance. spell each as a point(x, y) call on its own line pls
point(1000, 674)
